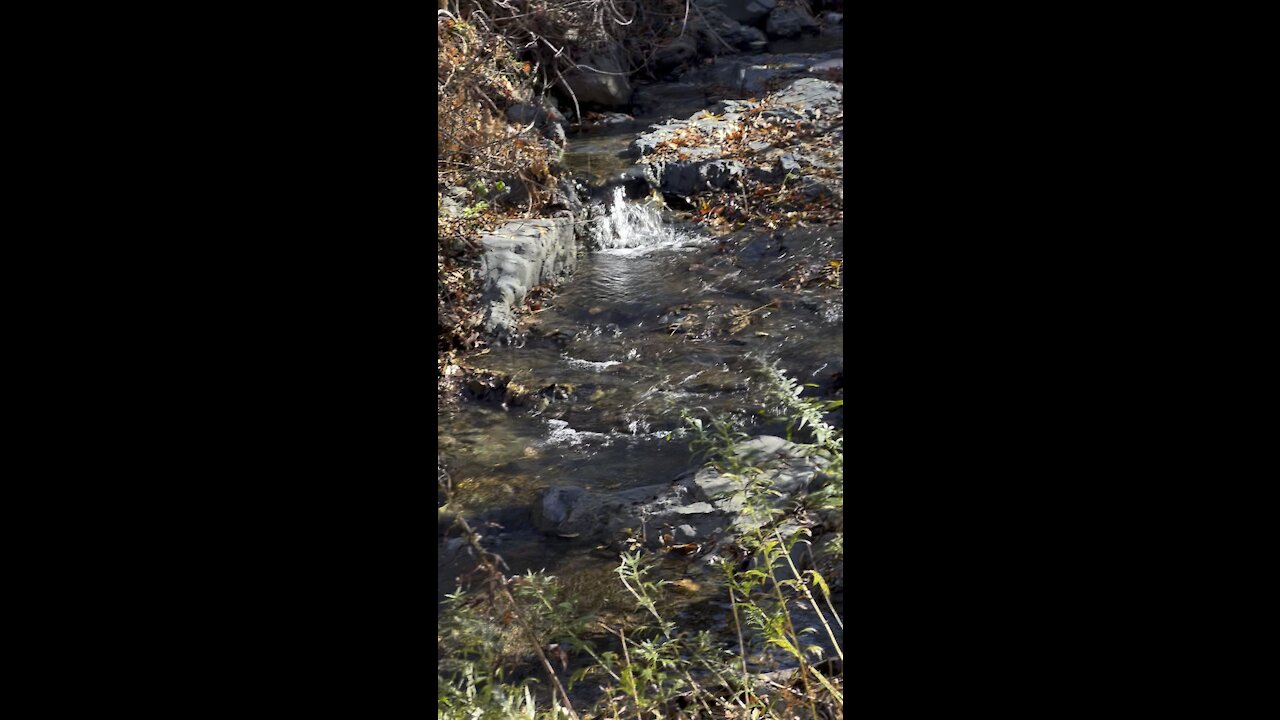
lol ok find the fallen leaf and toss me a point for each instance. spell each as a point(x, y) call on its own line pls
point(685, 549)
point(686, 585)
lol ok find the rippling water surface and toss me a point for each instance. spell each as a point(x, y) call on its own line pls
point(642, 331)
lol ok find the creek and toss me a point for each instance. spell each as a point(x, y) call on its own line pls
point(659, 318)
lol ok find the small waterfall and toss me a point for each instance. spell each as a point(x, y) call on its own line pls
point(634, 225)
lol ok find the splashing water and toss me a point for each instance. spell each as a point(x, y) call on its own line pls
point(635, 226)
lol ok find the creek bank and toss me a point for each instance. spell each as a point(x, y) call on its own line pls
point(522, 256)
point(792, 134)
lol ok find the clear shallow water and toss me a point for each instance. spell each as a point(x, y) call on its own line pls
point(643, 330)
point(595, 156)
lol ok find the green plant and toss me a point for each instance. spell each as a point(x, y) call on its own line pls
point(758, 591)
point(644, 661)
point(476, 209)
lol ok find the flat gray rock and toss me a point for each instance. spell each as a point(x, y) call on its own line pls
point(699, 504)
point(519, 256)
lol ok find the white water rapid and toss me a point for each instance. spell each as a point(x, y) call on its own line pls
point(636, 227)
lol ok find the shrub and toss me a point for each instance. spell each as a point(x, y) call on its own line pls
point(644, 663)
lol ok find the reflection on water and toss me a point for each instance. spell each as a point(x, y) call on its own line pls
point(595, 157)
point(648, 327)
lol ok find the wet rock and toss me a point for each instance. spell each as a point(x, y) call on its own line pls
point(555, 133)
point(749, 12)
point(828, 65)
point(833, 18)
point(633, 180)
point(718, 34)
point(688, 178)
point(553, 507)
point(546, 118)
point(700, 167)
point(593, 515)
point(524, 113)
point(610, 516)
point(675, 55)
point(790, 21)
point(614, 118)
point(751, 75)
point(749, 39)
point(485, 385)
point(564, 197)
point(788, 467)
point(676, 99)
point(698, 505)
point(599, 81)
point(557, 391)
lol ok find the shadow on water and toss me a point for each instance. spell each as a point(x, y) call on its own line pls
point(662, 319)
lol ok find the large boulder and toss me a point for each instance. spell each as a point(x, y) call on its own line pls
point(675, 55)
point(542, 116)
point(599, 81)
point(701, 167)
point(690, 177)
point(633, 181)
point(553, 507)
point(747, 12)
point(670, 99)
point(707, 124)
point(576, 513)
point(519, 256)
point(805, 97)
point(717, 34)
point(789, 22)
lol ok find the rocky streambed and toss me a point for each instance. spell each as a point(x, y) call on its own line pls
point(701, 241)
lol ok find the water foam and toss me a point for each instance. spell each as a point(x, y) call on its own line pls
point(588, 364)
point(634, 228)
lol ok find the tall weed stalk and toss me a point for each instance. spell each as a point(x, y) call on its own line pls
point(644, 663)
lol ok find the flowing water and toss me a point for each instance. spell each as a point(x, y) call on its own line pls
point(642, 331)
